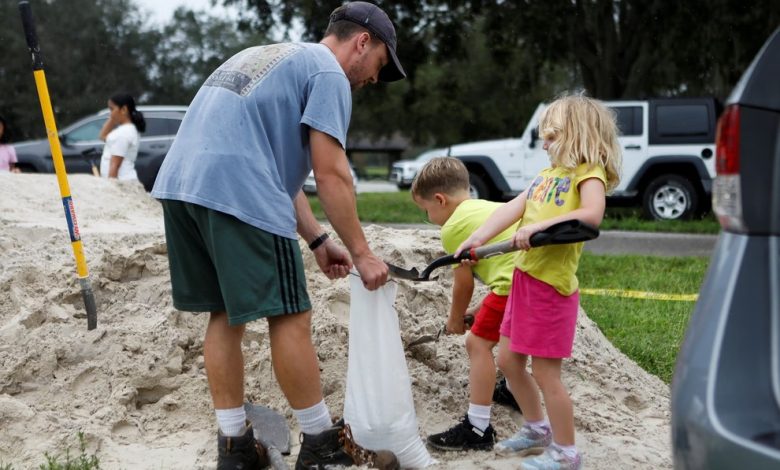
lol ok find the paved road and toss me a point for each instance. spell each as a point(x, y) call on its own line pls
point(653, 244)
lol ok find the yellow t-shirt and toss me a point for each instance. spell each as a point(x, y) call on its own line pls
point(495, 272)
point(555, 192)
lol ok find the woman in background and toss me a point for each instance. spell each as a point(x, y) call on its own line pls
point(121, 134)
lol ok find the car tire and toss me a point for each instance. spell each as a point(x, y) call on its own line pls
point(670, 197)
point(478, 189)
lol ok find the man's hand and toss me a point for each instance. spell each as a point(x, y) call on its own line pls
point(372, 270)
point(333, 260)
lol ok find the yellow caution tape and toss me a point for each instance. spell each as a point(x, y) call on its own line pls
point(635, 294)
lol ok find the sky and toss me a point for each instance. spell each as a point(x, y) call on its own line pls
point(162, 10)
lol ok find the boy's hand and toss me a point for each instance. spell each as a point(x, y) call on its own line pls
point(455, 326)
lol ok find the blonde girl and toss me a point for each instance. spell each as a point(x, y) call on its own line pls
point(580, 137)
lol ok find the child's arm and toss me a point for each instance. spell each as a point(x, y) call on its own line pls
point(498, 221)
point(462, 290)
point(591, 211)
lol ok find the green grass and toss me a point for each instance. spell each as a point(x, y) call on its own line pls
point(399, 208)
point(629, 218)
point(648, 331)
point(395, 208)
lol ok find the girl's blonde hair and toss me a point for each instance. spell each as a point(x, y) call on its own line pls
point(582, 130)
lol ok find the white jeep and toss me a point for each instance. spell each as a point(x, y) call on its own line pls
point(668, 165)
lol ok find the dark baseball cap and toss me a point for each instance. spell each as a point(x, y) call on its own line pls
point(378, 23)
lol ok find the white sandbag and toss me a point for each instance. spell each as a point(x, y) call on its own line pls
point(379, 406)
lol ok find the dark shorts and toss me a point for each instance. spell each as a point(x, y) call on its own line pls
point(219, 263)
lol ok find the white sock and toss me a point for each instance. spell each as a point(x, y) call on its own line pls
point(231, 421)
point(568, 451)
point(315, 419)
point(543, 425)
point(479, 416)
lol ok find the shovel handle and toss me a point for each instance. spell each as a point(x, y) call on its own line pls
point(496, 249)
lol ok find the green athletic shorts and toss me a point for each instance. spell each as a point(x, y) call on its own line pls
point(219, 263)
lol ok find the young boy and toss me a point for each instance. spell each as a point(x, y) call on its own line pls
point(441, 189)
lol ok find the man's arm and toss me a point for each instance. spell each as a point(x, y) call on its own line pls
point(336, 193)
point(332, 259)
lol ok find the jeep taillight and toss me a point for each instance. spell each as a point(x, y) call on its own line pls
point(726, 191)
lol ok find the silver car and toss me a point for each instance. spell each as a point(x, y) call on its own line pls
point(726, 386)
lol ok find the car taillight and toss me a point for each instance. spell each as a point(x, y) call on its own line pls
point(726, 190)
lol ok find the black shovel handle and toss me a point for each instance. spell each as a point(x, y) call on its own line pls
point(30, 35)
point(568, 231)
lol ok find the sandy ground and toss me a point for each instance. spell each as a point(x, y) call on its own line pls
point(136, 386)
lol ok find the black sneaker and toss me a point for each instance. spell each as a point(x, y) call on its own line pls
point(503, 396)
point(463, 436)
point(335, 446)
point(240, 452)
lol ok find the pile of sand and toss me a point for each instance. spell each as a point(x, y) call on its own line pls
point(136, 386)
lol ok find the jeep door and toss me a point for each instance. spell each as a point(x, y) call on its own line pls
point(632, 122)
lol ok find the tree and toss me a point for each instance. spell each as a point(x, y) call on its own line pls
point(639, 48)
point(91, 49)
point(192, 45)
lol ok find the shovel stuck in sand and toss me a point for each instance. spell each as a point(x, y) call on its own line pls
point(271, 431)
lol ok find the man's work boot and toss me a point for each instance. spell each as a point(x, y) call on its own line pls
point(240, 452)
point(335, 446)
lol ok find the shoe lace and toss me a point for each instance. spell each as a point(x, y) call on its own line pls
point(359, 455)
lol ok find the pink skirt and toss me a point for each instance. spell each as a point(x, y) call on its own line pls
point(538, 320)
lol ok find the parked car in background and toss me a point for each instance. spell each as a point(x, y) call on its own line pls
point(310, 185)
point(726, 385)
point(404, 171)
point(80, 143)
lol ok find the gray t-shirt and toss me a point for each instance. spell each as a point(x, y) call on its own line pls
point(243, 146)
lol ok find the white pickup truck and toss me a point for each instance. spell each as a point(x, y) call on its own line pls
point(668, 146)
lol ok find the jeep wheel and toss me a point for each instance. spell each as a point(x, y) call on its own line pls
point(670, 197)
point(477, 187)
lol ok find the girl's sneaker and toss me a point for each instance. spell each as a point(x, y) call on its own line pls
point(526, 441)
point(552, 459)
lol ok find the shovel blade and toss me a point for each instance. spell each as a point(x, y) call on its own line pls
point(409, 274)
point(269, 426)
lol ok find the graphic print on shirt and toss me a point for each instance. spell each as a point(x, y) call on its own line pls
point(245, 70)
point(548, 188)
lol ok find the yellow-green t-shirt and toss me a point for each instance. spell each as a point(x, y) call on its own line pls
point(495, 272)
point(555, 192)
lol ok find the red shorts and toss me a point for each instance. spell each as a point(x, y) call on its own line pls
point(488, 320)
point(539, 321)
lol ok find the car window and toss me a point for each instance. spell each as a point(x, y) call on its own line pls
point(157, 127)
point(173, 126)
point(629, 119)
point(86, 132)
point(678, 121)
